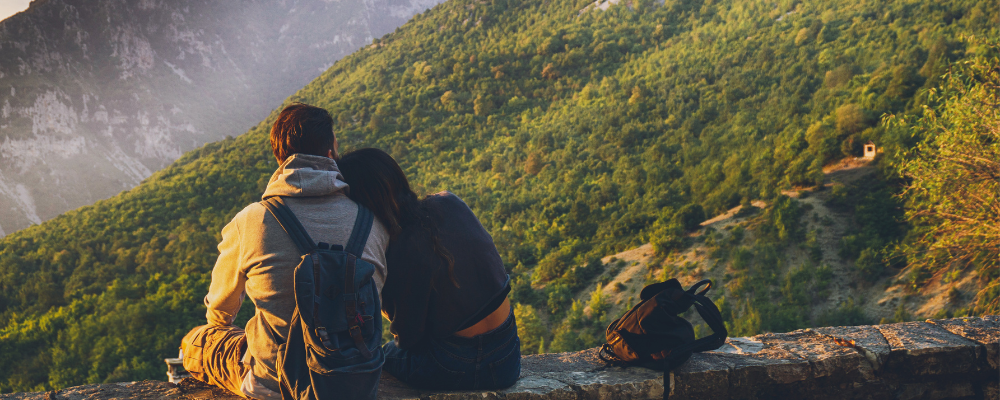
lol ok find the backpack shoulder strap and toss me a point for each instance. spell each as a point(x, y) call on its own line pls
point(355, 248)
point(290, 224)
point(710, 313)
point(359, 235)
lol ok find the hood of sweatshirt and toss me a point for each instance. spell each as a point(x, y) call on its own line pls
point(303, 175)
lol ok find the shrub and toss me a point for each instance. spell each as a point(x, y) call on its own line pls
point(870, 264)
point(689, 217)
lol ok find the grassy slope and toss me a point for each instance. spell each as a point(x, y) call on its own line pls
point(571, 135)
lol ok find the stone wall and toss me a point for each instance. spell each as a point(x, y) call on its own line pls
point(936, 359)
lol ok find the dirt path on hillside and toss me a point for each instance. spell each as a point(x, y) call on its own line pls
point(629, 271)
point(831, 225)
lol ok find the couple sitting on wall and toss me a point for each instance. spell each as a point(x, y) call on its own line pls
point(435, 270)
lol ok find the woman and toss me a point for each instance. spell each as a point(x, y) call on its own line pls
point(446, 288)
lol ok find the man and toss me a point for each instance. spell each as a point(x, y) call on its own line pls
point(257, 258)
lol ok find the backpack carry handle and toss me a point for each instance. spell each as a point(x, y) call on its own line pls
point(699, 284)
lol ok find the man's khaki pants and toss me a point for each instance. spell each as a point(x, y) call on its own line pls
point(214, 354)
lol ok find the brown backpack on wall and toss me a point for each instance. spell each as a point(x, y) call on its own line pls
point(654, 335)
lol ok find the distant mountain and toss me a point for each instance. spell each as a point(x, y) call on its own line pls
point(96, 95)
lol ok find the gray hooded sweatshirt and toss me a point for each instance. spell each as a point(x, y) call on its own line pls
point(257, 258)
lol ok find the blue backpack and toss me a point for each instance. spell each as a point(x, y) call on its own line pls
point(334, 341)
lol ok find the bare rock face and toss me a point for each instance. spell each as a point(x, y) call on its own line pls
point(96, 95)
point(936, 359)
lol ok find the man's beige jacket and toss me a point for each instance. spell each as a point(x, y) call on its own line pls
point(257, 258)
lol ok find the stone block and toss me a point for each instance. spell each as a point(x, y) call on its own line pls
point(582, 375)
point(920, 348)
point(985, 331)
point(558, 376)
point(831, 362)
point(867, 339)
point(703, 376)
point(392, 389)
point(539, 387)
point(121, 390)
point(782, 366)
point(771, 372)
point(480, 395)
point(576, 361)
point(741, 345)
point(992, 389)
point(617, 383)
point(194, 389)
point(538, 379)
point(936, 390)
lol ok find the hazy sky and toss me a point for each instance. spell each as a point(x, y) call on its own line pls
point(11, 7)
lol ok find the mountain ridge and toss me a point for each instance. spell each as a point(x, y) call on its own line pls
point(103, 94)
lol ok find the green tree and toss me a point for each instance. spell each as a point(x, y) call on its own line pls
point(533, 165)
point(954, 190)
point(690, 216)
point(530, 329)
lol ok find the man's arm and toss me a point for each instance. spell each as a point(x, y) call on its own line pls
point(226, 293)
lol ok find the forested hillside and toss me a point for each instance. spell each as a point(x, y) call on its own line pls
point(572, 132)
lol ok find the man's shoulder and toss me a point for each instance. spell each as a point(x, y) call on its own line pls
point(252, 212)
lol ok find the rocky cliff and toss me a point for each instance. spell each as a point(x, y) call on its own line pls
point(95, 95)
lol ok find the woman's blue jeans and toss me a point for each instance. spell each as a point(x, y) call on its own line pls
point(485, 362)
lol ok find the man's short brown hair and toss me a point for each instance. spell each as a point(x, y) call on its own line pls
point(304, 129)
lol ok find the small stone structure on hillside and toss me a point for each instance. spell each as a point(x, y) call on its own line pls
point(935, 359)
point(869, 150)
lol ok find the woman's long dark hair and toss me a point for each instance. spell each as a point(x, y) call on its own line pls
point(377, 182)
